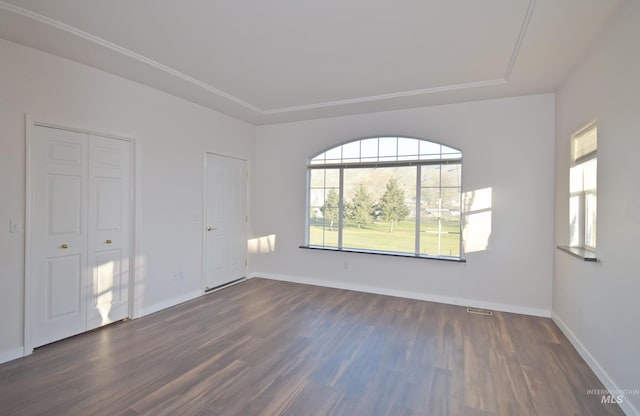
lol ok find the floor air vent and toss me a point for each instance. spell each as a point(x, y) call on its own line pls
point(478, 311)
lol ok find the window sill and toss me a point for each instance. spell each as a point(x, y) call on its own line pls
point(580, 252)
point(388, 253)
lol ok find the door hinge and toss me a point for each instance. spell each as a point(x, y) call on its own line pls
point(246, 262)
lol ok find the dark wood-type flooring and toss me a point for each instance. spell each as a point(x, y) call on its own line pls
point(269, 348)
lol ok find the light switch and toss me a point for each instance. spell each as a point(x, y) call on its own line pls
point(14, 226)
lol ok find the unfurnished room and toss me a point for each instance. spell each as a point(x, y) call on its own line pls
point(410, 208)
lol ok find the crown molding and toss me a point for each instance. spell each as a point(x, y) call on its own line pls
point(380, 97)
point(123, 51)
point(216, 91)
point(520, 39)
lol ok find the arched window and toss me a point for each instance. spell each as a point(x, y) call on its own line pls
point(388, 195)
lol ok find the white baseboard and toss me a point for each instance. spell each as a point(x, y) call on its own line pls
point(524, 310)
point(608, 383)
point(11, 354)
point(148, 310)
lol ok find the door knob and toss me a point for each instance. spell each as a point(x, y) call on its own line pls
point(64, 246)
point(211, 228)
point(108, 241)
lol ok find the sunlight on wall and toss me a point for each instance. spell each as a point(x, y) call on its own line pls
point(262, 245)
point(476, 230)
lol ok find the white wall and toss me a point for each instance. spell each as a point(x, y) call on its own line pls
point(507, 145)
point(598, 304)
point(171, 136)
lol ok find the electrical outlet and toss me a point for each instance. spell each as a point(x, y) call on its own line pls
point(14, 226)
point(177, 276)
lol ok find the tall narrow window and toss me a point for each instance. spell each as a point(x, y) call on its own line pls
point(386, 195)
point(583, 188)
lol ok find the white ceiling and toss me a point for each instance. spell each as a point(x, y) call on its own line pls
point(283, 60)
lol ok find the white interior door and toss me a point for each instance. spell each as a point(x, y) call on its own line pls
point(80, 232)
point(226, 220)
point(58, 234)
point(109, 230)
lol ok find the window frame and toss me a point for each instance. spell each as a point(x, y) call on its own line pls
point(451, 157)
point(579, 242)
point(582, 194)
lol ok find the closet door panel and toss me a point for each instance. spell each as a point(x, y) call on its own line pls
point(58, 241)
point(109, 229)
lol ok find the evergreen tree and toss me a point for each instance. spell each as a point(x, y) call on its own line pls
point(360, 209)
point(392, 206)
point(330, 208)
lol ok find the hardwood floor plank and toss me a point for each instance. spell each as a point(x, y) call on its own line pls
point(264, 347)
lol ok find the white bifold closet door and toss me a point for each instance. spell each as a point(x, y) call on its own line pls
point(80, 232)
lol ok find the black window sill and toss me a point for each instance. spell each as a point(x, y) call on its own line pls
point(580, 252)
point(388, 253)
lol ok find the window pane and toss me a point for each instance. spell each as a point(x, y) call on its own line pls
point(451, 203)
point(451, 175)
point(440, 222)
point(317, 178)
point(351, 152)
point(320, 233)
point(450, 217)
point(321, 178)
point(334, 154)
point(431, 176)
point(574, 221)
point(448, 153)
point(332, 178)
point(440, 239)
point(408, 149)
point(323, 228)
point(429, 235)
point(590, 208)
point(388, 148)
point(369, 149)
point(575, 179)
point(430, 223)
point(316, 197)
point(429, 150)
point(430, 201)
point(380, 209)
point(590, 174)
point(316, 224)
